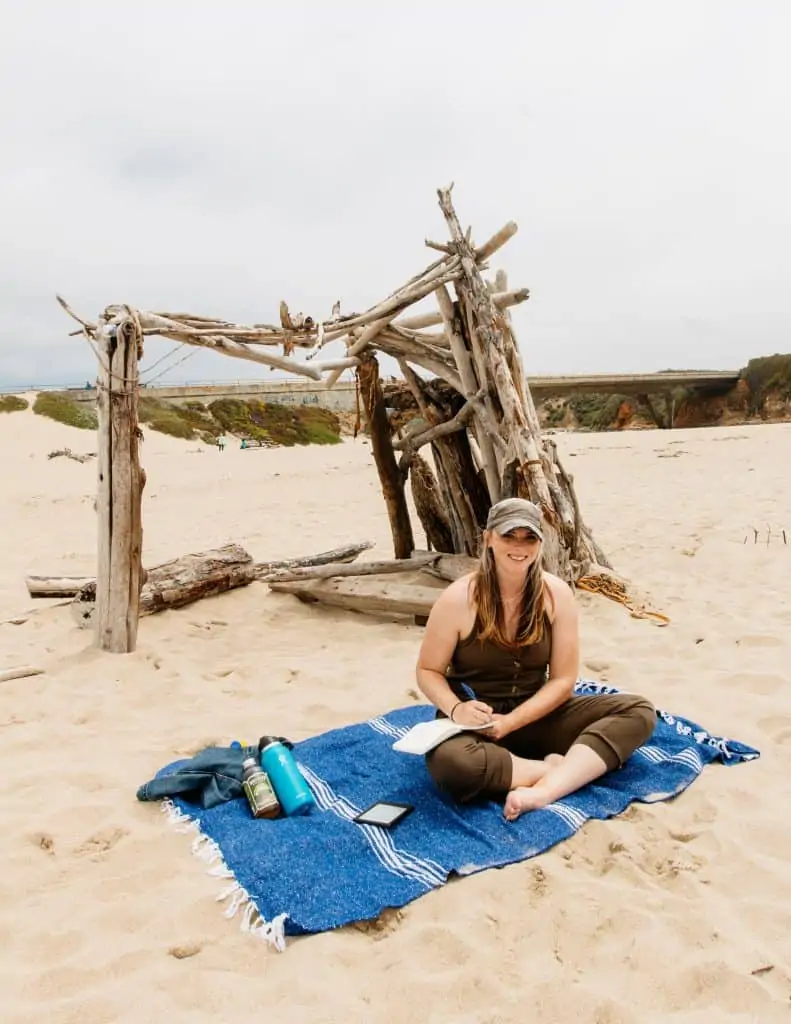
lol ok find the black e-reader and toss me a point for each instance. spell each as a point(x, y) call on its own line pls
point(383, 813)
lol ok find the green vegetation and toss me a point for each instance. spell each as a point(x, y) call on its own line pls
point(12, 403)
point(60, 407)
point(185, 421)
point(554, 412)
point(597, 411)
point(285, 425)
point(279, 424)
point(766, 374)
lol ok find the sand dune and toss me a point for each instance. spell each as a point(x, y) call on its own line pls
point(661, 914)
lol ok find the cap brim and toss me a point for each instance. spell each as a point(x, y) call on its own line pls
point(519, 523)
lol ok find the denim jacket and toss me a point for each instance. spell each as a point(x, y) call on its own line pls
point(211, 777)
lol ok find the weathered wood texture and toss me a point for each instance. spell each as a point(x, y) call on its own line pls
point(345, 553)
point(450, 567)
point(369, 595)
point(56, 586)
point(180, 582)
point(390, 476)
point(526, 466)
point(429, 505)
point(120, 488)
point(69, 586)
point(67, 453)
point(326, 572)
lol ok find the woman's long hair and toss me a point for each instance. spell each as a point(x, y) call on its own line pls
point(490, 610)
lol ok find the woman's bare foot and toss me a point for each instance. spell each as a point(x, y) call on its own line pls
point(525, 798)
point(528, 776)
point(580, 766)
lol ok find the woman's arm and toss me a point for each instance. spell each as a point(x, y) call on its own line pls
point(563, 663)
point(449, 615)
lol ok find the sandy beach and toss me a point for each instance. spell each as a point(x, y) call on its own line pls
point(663, 914)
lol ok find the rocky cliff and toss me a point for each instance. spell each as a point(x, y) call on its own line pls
point(762, 394)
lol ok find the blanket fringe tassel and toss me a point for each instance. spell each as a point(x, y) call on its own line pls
point(205, 849)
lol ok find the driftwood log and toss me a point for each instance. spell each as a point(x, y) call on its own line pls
point(345, 553)
point(368, 594)
point(23, 672)
point(337, 570)
point(412, 595)
point(56, 586)
point(69, 586)
point(69, 454)
point(180, 582)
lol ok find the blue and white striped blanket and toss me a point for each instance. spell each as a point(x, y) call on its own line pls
point(292, 876)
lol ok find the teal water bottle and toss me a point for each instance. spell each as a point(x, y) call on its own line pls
point(287, 780)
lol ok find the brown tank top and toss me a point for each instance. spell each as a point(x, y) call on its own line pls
point(500, 675)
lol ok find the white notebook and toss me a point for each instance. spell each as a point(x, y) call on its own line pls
point(426, 735)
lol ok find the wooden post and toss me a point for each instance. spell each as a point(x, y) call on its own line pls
point(119, 574)
point(390, 476)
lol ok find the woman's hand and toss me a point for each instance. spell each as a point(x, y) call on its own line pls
point(471, 712)
point(500, 727)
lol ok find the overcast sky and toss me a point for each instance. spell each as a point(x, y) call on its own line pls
point(219, 156)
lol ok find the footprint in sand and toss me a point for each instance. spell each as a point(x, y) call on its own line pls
point(442, 944)
point(684, 837)
point(100, 842)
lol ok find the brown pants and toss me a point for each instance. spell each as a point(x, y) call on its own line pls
point(613, 725)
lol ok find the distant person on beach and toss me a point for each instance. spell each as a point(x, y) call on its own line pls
point(510, 632)
point(222, 440)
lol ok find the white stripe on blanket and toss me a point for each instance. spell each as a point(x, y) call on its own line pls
point(688, 756)
point(396, 861)
point(572, 817)
point(381, 725)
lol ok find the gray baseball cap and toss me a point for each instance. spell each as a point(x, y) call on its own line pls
point(514, 514)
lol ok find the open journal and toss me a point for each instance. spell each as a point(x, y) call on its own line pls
point(426, 735)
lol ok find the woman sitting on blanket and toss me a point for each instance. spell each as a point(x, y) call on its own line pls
point(510, 632)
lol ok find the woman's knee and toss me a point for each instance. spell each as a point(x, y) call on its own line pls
point(643, 714)
point(626, 726)
point(458, 767)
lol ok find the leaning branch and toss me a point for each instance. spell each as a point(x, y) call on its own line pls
point(416, 441)
point(326, 572)
point(7, 674)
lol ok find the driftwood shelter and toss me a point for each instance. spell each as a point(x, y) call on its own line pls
point(464, 393)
